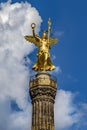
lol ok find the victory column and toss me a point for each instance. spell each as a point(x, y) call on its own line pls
point(42, 86)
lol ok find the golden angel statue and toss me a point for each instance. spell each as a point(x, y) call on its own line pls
point(43, 43)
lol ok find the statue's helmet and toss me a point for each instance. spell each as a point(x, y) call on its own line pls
point(44, 35)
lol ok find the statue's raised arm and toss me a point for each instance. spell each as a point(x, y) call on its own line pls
point(43, 43)
point(35, 38)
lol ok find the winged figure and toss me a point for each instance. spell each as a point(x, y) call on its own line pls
point(36, 41)
point(43, 43)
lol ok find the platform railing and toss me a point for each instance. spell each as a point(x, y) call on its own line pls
point(42, 81)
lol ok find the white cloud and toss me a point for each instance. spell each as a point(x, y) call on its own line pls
point(59, 33)
point(66, 113)
point(15, 21)
point(58, 70)
point(21, 120)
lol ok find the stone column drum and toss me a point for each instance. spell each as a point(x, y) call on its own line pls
point(42, 92)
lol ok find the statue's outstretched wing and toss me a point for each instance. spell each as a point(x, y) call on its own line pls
point(53, 41)
point(31, 39)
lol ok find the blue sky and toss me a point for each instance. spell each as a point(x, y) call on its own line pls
point(69, 25)
point(69, 18)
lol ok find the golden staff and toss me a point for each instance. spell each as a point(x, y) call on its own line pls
point(49, 29)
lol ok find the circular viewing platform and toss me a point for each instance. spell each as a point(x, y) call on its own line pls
point(43, 79)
